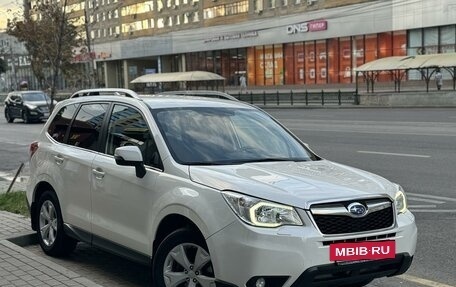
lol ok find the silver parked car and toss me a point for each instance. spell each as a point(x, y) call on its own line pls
point(211, 192)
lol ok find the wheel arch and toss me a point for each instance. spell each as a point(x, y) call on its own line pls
point(40, 188)
point(171, 223)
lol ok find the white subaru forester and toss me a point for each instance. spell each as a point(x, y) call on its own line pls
point(210, 192)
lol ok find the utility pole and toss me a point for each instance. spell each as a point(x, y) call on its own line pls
point(92, 68)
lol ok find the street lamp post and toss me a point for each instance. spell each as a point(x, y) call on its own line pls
point(89, 45)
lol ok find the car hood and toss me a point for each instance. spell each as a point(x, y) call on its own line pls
point(37, 103)
point(298, 184)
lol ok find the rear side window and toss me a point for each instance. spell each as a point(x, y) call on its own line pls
point(86, 127)
point(59, 125)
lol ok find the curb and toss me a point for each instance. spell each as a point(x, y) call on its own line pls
point(23, 239)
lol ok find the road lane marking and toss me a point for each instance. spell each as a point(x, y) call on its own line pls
point(425, 200)
point(432, 196)
point(422, 281)
point(435, 211)
point(394, 154)
point(422, 206)
point(431, 208)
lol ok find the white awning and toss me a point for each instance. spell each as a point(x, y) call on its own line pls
point(410, 62)
point(178, 77)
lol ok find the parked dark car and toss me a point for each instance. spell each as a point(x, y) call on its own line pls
point(27, 105)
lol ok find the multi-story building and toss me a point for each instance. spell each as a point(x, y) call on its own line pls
point(275, 42)
point(16, 57)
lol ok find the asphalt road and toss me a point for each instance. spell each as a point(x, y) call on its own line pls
point(413, 147)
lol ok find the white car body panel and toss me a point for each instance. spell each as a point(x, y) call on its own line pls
point(295, 183)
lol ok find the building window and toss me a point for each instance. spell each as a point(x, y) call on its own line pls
point(226, 10)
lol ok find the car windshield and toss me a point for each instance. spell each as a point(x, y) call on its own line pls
point(215, 136)
point(35, 97)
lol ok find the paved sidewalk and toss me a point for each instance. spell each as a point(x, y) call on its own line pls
point(19, 267)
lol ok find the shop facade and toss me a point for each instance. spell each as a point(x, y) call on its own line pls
point(319, 47)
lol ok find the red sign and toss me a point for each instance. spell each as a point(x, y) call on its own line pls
point(319, 25)
point(362, 250)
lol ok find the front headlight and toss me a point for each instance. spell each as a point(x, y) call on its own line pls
point(400, 201)
point(259, 212)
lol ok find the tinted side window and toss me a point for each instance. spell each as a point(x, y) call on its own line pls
point(128, 127)
point(86, 128)
point(59, 125)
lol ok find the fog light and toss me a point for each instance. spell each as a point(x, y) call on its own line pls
point(260, 282)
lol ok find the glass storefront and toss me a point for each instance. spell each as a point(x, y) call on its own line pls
point(302, 63)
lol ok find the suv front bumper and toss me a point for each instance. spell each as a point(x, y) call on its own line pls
point(240, 252)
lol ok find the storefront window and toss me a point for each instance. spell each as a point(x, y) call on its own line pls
point(333, 60)
point(370, 49)
point(447, 39)
point(289, 64)
point(278, 64)
point(431, 40)
point(345, 58)
point(310, 62)
point(300, 59)
point(321, 56)
point(385, 44)
point(259, 66)
point(251, 75)
point(399, 43)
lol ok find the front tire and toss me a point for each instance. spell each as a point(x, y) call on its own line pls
point(8, 117)
point(26, 117)
point(182, 259)
point(50, 232)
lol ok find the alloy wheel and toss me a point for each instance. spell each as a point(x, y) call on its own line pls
point(48, 223)
point(188, 265)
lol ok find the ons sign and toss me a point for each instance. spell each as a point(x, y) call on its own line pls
point(305, 27)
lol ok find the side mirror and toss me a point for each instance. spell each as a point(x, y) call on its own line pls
point(130, 156)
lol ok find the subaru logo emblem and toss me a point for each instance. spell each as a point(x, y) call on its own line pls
point(357, 209)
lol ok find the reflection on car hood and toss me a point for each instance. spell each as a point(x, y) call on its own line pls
point(294, 183)
point(37, 103)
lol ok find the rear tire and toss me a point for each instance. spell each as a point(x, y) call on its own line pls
point(51, 235)
point(8, 117)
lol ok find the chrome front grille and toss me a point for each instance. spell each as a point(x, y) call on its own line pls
point(335, 218)
point(361, 239)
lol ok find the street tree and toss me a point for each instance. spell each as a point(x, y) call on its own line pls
point(50, 37)
point(3, 66)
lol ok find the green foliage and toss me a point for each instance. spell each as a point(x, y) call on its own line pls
point(14, 202)
point(50, 38)
point(3, 66)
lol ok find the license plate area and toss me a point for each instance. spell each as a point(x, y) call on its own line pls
point(360, 251)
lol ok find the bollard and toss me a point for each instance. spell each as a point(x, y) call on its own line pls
point(322, 98)
point(15, 177)
point(251, 98)
point(291, 97)
point(277, 96)
point(264, 98)
point(307, 99)
point(339, 98)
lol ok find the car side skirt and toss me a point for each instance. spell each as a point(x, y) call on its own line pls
point(107, 245)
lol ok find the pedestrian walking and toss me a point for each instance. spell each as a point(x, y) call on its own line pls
point(438, 80)
point(243, 83)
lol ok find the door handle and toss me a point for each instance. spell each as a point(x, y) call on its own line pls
point(99, 174)
point(58, 159)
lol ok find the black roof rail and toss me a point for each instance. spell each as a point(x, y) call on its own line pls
point(105, 92)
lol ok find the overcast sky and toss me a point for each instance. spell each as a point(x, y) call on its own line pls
point(7, 10)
